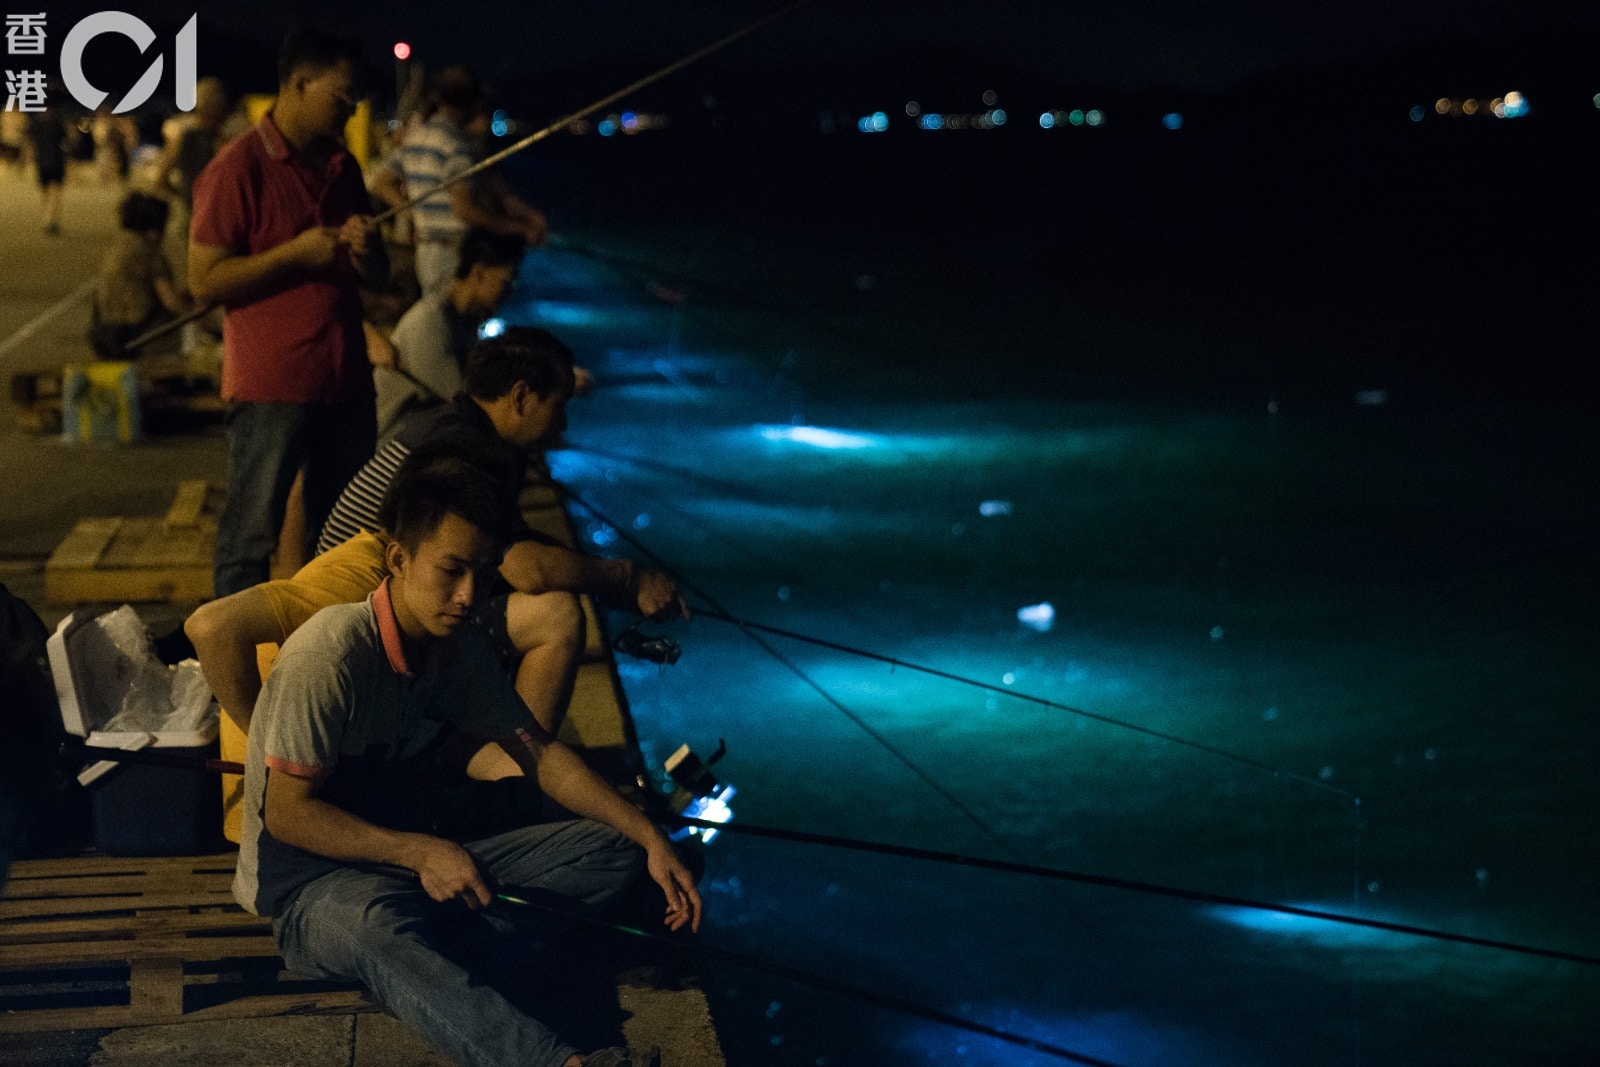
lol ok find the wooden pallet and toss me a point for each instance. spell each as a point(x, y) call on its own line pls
point(107, 942)
point(138, 559)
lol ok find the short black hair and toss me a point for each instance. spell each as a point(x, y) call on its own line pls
point(490, 249)
point(139, 213)
point(316, 51)
point(433, 483)
point(520, 354)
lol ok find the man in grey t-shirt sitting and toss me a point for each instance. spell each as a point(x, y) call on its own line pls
point(370, 708)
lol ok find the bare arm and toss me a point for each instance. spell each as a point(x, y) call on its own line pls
point(168, 295)
point(225, 634)
point(380, 350)
point(389, 187)
point(568, 781)
point(468, 211)
point(218, 276)
point(534, 567)
point(296, 816)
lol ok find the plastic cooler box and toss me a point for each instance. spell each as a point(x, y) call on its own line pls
point(138, 810)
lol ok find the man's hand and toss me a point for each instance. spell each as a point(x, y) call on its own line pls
point(683, 899)
point(535, 228)
point(315, 247)
point(449, 872)
point(658, 597)
point(357, 234)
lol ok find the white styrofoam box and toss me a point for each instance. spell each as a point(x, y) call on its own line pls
point(91, 676)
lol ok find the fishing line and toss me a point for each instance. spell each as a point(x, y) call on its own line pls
point(798, 313)
point(817, 981)
point(800, 673)
point(79, 751)
point(1130, 885)
point(526, 142)
point(716, 612)
point(836, 601)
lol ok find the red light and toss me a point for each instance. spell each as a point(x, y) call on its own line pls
point(402, 51)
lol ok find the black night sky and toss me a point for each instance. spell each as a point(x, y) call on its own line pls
point(1123, 45)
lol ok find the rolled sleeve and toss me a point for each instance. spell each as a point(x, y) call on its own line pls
point(304, 714)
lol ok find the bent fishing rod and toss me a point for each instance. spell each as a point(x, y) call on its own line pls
point(527, 142)
point(157, 758)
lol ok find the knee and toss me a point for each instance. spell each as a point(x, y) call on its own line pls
point(545, 620)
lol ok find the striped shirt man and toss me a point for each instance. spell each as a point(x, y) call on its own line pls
point(460, 425)
point(434, 152)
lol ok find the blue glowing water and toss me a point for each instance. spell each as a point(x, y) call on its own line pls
point(1380, 602)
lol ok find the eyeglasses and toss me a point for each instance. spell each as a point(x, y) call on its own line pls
point(344, 100)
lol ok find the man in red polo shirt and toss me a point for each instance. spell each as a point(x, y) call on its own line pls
point(281, 237)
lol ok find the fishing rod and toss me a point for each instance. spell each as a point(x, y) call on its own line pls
point(1130, 885)
point(146, 757)
point(714, 611)
point(527, 142)
point(792, 974)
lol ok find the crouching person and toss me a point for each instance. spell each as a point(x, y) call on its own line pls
point(360, 733)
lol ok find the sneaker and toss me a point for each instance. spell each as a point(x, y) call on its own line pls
point(624, 1057)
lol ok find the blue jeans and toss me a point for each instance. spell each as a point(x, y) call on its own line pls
point(267, 444)
point(382, 930)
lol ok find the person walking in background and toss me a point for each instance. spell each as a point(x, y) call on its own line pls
point(48, 136)
point(281, 237)
point(115, 138)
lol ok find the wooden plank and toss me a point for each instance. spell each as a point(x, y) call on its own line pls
point(595, 646)
point(136, 559)
point(103, 905)
point(69, 866)
point(594, 718)
point(155, 987)
point(152, 544)
point(84, 545)
point(188, 504)
point(174, 944)
point(130, 886)
point(332, 1002)
point(165, 584)
point(141, 923)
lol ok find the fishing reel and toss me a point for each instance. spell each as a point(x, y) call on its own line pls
point(696, 793)
point(653, 647)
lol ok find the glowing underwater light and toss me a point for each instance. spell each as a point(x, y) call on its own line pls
point(1038, 617)
point(1305, 927)
point(564, 313)
point(816, 436)
point(713, 808)
point(491, 328)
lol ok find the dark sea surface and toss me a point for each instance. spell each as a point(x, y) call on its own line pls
point(1295, 445)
